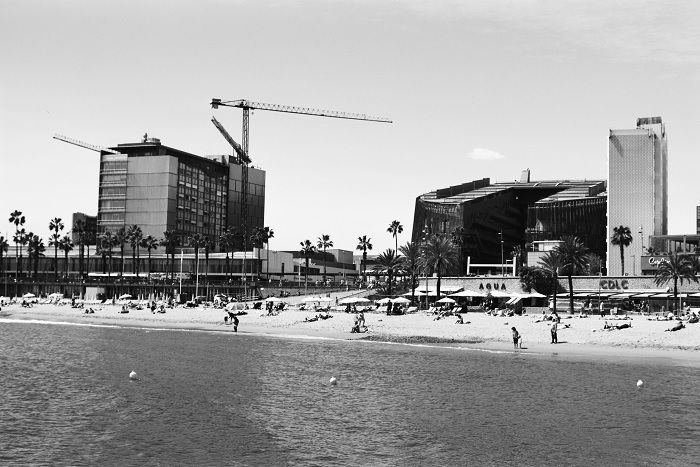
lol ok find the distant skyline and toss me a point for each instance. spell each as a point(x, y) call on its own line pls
point(476, 89)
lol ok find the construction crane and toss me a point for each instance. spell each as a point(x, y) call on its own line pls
point(236, 147)
point(82, 144)
point(244, 152)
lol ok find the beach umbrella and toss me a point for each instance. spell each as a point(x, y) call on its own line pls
point(124, 297)
point(347, 301)
point(311, 299)
point(446, 300)
point(362, 300)
point(400, 300)
point(28, 295)
point(499, 294)
point(273, 299)
point(384, 300)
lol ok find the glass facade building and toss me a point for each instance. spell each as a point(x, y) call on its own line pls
point(515, 213)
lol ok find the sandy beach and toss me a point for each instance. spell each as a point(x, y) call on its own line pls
point(577, 336)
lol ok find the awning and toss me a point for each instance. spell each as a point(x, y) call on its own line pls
point(514, 300)
point(468, 293)
point(621, 295)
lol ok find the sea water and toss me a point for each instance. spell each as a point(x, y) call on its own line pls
point(212, 398)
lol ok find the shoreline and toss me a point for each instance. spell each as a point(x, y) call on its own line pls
point(583, 339)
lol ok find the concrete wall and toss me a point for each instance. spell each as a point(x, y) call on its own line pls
point(151, 193)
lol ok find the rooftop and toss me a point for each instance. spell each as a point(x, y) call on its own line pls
point(553, 190)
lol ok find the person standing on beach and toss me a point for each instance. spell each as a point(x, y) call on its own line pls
point(516, 337)
point(553, 330)
point(235, 323)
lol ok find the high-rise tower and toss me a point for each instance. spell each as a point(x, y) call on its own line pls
point(637, 188)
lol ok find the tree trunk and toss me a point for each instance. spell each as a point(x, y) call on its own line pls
point(571, 294)
point(555, 283)
point(622, 258)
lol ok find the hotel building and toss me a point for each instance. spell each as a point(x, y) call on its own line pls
point(637, 188)
point(160, 188)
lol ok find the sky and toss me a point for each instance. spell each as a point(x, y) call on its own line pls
point(475, 89)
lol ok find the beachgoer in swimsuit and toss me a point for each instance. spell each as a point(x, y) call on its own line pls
point(516, 337)
point(553, 330)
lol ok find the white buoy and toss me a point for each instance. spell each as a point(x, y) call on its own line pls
point(640, 383)
point(133, 375)
point(333, 381)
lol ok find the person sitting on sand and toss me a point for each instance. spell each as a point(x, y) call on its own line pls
point(460, 320)
point(677, 327)
point(361, 319)
point(311, 320)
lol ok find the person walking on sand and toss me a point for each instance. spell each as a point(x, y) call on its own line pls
point(553, 330)
point(516, 337)
point(235, 323)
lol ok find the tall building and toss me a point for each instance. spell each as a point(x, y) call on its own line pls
point(160, 188)
point(518, 213)
point(637, 188)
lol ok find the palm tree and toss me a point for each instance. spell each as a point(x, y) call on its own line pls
point(35, 249)
point(18, 219)
point(66, 245)
point(676, 267)
point(622, 236)
point(457, 235)
point(268, 233)
point(257, 239)
point(120, 239)
point(307, 249)
point(150, 244)
point(170, 242)
point(105, 242)
point(56, 225)
point(395, 228)
point(324, 241)
point(79, 229)
point(196, 241)
point(227, 241)
point(134, 236)
point(550, 264)
point(20, 240)
point(575, 260)
point(363, 245)
point(440, 254)
point(411, 263)
point(388, 263)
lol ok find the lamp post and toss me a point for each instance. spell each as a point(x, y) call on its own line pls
point(500, 235)
point(641, 237)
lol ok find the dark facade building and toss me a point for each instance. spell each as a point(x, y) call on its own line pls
point(515, 213)
point(89, 224)
point(160, 188)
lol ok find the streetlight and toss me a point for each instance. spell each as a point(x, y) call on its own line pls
point(641, 237)
point(500, 235)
